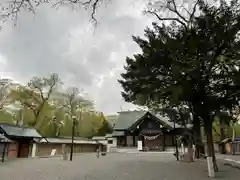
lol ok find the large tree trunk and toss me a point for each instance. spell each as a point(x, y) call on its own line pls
point(233, 138)
point(197, 135)
point(190, 149)
point(222, 136)
point(211, 159)
point(215, 166)
point(233, 132)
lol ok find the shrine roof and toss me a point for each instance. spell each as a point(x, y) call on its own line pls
point(127, 119)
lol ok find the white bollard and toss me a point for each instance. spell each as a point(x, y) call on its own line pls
point(183, 149)
point(211, 172)
point(34, 148)
point(194, 151)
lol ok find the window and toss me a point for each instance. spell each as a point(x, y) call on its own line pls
point(110, 141)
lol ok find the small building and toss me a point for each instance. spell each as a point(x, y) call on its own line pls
point(55, 146)
point(109, 141)
point(146, 131)
point(232, 147)
point(100, 139)
point(16, 141)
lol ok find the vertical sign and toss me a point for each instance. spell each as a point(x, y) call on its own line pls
point(139, 146)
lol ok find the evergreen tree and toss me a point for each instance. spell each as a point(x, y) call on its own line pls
point(197, 65)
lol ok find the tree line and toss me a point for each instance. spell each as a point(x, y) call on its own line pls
point(45, 104)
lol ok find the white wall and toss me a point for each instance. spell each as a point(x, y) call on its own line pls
point(105, 142)
point(113, 145)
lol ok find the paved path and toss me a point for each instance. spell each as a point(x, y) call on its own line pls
point(116, 166)
point(228, 156)
point(232, 160)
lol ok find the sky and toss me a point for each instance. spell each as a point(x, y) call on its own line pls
point(63, 41)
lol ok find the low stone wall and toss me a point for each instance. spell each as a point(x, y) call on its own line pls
point(45, 149)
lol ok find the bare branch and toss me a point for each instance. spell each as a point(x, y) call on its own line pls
point(193, 11)
point(12, 8)
point(189, 13)
point(174, 9)
point(4, 92)
point(170, 5)
point(214, 129)
point(89, 4)
point(166, 19)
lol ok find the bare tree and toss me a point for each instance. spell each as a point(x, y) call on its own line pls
point(73, 103)
point(5, 89)
point(10, 9)
point(169, 10)
point(36, 94)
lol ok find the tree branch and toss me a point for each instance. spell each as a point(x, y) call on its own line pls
point(172, 7)
point(194, 10)
point(214, 129)
point(175, 10)
point(166, 19)
point(12, 8)
point(89, 4)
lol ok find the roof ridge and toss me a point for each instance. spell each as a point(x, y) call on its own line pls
point(17, 126)
point(133, 111)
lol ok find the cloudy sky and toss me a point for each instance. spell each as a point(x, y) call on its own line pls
point(64, 42)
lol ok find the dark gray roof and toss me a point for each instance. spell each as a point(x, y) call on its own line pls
point(67, 141)
point(17, 131)
point(108, 135)
point(99, 138)
point(127, 118)
point(118, 133)
point(4, 138)
point(70, 137)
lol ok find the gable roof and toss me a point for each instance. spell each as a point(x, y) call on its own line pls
point(127, 119)
point(17, 131)
point(111, 119)
point(153, 117)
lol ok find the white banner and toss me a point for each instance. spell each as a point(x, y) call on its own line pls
point(53, 152)
point(139, 146)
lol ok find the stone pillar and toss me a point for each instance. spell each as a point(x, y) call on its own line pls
point(34, 148)
point(64, 152)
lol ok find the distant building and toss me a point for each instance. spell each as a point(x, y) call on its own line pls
point(16, 141)
point(145, 130)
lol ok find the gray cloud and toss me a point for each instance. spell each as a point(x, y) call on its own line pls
point(64, 42)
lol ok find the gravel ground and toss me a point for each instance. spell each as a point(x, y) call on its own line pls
point(116, 166)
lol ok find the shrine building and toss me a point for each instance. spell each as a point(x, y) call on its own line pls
point(146, 131)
